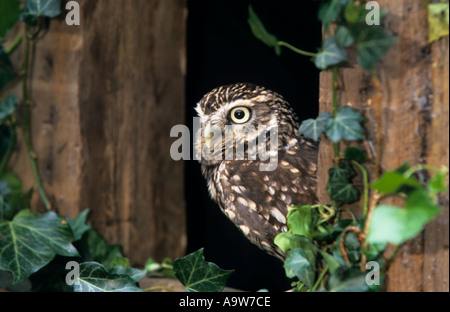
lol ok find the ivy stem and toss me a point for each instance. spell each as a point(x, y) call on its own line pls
point(391, 259)
point(414, 169)
point(296, 50)
point(27, 118)
point(14, 44)
point(319, 280)
point(366, 186)
point(335, 83)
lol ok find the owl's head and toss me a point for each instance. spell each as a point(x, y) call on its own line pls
point(248, 110)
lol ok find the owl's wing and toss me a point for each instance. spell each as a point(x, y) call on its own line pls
point(258, 201)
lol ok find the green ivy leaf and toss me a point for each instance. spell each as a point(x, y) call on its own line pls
point(9, 14)
point(135, 274)
point(343, 192)
point(300, 220)
point(343, 37)
point(36, 8)
point(372, 43)
point(353, 12)
point(260, 32)
point(79, 225)
point(339, 186)
point(93, 247)
point(8, 106)
point(347, 280)
point(330, 261)
point(330, 55)
point(301, 262)
point(438, 15)
point(329, 10)
point(355, 153)
point(313, 128)
point(198, 275)
point(344, 172)
point(345, 126)
point(287, 241)
point(403, 168)
point(7, 73)
point(437, 183)
point(30, 242)
point(95, 278)
point(394, 225)
point(392, 181)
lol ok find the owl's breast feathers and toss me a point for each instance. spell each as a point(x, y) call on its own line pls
point(258, 201)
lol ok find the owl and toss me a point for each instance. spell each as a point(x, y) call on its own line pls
point(255, 200)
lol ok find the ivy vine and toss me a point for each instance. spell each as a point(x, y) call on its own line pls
point(324, 251)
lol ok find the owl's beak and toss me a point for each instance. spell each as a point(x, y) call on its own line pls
point(207, 135)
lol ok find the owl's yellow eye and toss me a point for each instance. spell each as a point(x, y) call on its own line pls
point(240, 114)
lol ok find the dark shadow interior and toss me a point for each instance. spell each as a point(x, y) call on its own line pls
point(222, 50)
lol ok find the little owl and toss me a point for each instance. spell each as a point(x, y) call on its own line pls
point(256, 201)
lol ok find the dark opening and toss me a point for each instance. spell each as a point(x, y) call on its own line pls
point(222, 50)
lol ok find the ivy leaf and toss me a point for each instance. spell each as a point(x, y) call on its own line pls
point(438, 15)
point(313, 128)
point(347, 280)
point(301, 262)
point(394, 225)
point(330, 55)
point(392, 181)
point(93, 247)
point(94, 278)
point(79, 225)
point(330, 261)
point(343, 192)
point(343, 37)
point(300, 220)
point(372, 43)
point(437, 183)
point(353, 12)
point(287, 241)
point(345, 125)
point(355, 153)
point(7, 73)
point(344, 172)
point(339, 186)
point(36, 8)
point(8, 106)
point(329, 10)
point(135, 274)
point(30, 242)
point(260, 32)
point(198, 275)
point(9, 14)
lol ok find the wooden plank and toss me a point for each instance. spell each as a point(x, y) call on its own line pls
point(436, 261)
point(106, 95)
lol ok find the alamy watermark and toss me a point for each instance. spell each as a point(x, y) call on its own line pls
point(73, 277)
point(233, 142)
point(373, 16)
point(73, 16)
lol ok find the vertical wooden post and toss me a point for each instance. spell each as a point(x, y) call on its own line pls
point(106, 94)
point(412, 116)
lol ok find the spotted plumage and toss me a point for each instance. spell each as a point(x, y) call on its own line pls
point(256, 201)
